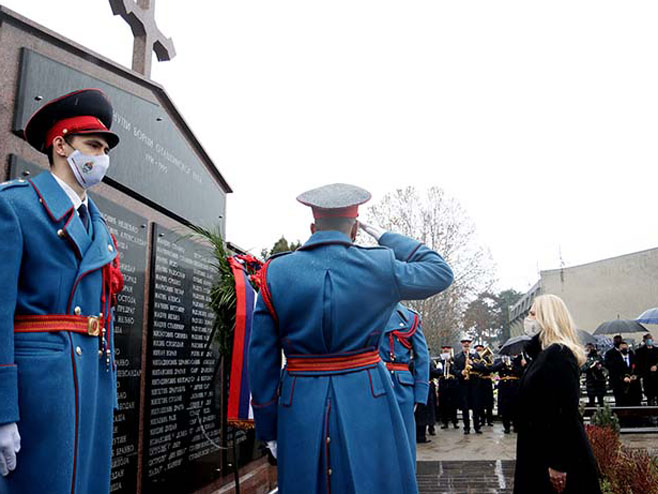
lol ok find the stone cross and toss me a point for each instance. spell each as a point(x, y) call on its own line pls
point(140, 16)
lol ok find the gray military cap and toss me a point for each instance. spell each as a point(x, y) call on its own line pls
point(335, 200)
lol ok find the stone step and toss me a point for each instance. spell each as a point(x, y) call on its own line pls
point(465, 477)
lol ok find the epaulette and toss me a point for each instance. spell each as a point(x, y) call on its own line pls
point(280, 254)
point(20, 182)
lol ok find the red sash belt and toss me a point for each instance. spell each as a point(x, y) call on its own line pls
point(337, 363)
point(89, 325)
point(397, 367)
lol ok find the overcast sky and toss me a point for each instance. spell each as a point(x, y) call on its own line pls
point(539, 117)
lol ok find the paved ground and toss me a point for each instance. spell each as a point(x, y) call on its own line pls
point(465, 477)
point(493, 444)
point(481, 463)
point(452, 445)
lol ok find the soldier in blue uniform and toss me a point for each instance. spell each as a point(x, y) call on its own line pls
point(404, 342)
point(60, 277)
point(331, 414)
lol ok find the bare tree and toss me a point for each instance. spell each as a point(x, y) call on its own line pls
point(441, 223)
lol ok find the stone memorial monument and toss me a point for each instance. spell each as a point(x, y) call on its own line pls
point(168, 428)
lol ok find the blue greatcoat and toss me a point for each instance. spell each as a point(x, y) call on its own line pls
point(404, 339)
point(337, 432)
point(54, 385)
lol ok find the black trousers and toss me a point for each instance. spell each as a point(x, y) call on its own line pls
point(448, 414)
point(467, 420)
point(592, 397)
point(421, 433)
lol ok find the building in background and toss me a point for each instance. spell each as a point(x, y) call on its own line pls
point(616, 288)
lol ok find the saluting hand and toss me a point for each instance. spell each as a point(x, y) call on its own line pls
point(558, 480)
point(374, 231)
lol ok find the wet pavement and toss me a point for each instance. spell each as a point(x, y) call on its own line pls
point(454, 463)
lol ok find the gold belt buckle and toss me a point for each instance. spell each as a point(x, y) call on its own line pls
point(93, 326)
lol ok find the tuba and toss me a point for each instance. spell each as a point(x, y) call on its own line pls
point(487, 356)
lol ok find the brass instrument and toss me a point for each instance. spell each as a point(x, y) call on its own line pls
point(487, 356)
point(467, 367)
point(446, 366)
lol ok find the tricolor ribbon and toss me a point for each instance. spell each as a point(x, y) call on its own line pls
point(240, 414)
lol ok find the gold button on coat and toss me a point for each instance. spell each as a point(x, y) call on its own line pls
point(60, 233)
point(78, 350)
point(110, 248)
point(77, 311)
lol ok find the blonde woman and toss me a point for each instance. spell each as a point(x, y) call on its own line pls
point(553, 453)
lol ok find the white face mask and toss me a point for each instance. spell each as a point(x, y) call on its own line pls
point(531, 326)
point(445, 356)
point(89, 170)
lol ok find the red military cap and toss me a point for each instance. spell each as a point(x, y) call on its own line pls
point(87, 111)
point(335, 200)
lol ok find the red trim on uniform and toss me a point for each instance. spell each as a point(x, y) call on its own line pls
point(414, 251)
point(75, 286)
point(7, 365)
point(45, 205)
point(403, 336)
point(265, 292)
point(331, 364)
point(54, 322)
point(372, 388)
point(397, 367)
point(292, 392)
point(74, 125)
point(326, 443)
point(348, 212)
point(258, 405)
point(75, 447)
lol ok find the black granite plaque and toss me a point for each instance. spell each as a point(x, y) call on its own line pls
point(154, 160)
point(182, 418)
point(130, 231)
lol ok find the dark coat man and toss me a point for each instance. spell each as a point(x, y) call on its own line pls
point(595, 377)
point(469, 386)
point(647, 362)
point(449, 399)
point(510, 372)
point(624, 379)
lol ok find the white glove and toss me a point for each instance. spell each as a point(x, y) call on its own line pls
point(272, 447)
point(10, 444)
point(374, 231)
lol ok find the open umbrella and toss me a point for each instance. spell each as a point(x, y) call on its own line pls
point(514, 345)
point(585, 337)
point(619, 326)
point(649, 316)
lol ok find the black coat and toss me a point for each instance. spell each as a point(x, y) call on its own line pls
point(646, 358)
point(469, 389)
point(631, 393)
point(508, 385)
point(595, 378)
point(425, 414)
point(551, 432)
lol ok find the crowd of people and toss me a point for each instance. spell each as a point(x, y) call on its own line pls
point(465, 383)
point(629, 375)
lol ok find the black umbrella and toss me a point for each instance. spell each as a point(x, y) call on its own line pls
point(514, 345)
point(619, 326)
point(585, 337)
